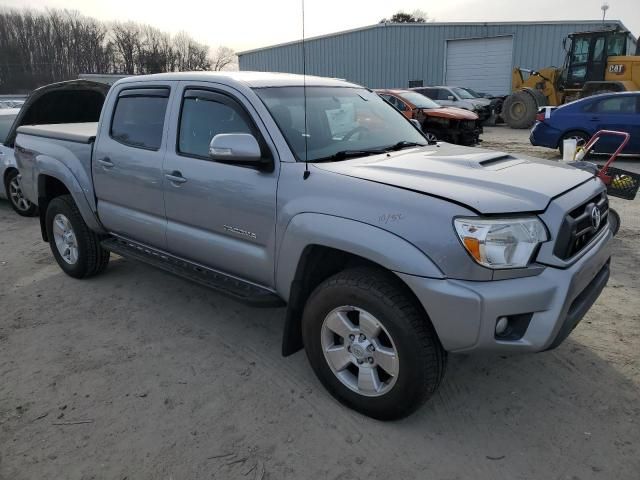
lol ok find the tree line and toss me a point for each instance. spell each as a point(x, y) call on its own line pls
point(37, 48)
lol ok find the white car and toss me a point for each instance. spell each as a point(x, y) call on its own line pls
point(458, 97)
point(11, 189)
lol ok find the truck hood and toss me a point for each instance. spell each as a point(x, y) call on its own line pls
point(486, 181)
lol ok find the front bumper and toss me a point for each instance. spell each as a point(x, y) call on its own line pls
point(464, 313)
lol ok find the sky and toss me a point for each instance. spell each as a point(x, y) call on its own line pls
point(248, 24)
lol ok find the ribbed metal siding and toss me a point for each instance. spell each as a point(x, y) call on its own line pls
point(386, 56)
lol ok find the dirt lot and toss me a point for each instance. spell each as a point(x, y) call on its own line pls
point(140, 375)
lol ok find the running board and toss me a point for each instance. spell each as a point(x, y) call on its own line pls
point(226, 284)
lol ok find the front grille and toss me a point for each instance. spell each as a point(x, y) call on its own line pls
point(580, 226)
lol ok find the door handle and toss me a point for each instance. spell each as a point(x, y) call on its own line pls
point(106, 162)
point(595, 119)
point(175, 177)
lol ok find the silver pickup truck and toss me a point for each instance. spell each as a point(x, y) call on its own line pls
point(388, 251)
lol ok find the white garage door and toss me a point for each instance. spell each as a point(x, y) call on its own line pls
point(483, 64)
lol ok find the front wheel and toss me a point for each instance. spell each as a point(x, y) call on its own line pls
point(614, 221)
point(371, 345)
point(75, 247)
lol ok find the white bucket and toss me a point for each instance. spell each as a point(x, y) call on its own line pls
point(569, 147)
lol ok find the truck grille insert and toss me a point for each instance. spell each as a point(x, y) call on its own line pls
point(581, 225)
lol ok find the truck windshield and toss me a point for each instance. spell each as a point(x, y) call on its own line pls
point(340, 122)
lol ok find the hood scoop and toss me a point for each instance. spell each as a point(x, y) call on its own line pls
point(500, 161)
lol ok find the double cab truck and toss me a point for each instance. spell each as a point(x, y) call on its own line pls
point(389, 251)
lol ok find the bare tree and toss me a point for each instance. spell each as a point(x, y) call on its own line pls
point(223, 58)
point(37, 48)
point(126, 39)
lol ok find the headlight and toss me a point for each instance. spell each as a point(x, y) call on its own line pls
point(501, 243)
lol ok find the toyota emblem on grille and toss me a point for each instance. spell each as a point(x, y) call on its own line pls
point(595, 217)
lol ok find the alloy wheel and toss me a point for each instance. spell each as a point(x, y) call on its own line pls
point(65, 239)
point(359, 351)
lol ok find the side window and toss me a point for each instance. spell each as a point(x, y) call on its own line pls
point(580, 51)
point(429, 92)
point(205, 115)
point(444, 94)
point(598, 49)
point(616, 45)
point(138, 119)
point(389, 99)
point(393, 101)
point(400, 105)
point(617, 105)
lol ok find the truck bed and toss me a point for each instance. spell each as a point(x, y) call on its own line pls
point(72, 132)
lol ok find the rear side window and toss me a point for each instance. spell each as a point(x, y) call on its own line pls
point(428, 92)
point(206, 114)
point(138, 120)
point(625, 104)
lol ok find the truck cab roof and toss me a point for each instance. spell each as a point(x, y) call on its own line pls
point(248, 79)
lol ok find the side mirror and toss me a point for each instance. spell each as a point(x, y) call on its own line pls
point(451, 98)
point(416, 124)
point(235, 148)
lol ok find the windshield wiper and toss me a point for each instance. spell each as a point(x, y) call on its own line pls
point(404, 144)
point(344, 154)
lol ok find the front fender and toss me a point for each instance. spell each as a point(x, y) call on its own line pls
point(372, 243)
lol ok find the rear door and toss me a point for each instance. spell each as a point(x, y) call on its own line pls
point(617, 112)
point(219, 215)
point(127, 162)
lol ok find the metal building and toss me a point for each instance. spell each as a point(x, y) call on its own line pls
point(476, 55)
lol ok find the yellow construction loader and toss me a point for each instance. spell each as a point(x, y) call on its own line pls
point(596, 62)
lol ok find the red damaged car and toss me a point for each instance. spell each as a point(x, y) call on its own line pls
point(449, 124)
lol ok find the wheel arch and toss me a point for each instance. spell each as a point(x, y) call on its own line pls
point(309, 254)
point(51, 185)
point(571, 130)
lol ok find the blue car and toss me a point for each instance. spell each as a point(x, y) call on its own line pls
point(584, 117)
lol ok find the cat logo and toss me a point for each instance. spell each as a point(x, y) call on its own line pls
point(617, 68)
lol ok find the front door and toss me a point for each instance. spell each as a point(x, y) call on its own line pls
point(219, 215)
point(127, 164)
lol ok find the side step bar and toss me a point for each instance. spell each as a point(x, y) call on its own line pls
point(234, 287)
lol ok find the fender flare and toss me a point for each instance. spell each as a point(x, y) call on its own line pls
point(358, 238)
point(50, 167)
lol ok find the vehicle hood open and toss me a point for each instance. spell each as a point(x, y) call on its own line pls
point(486, 181)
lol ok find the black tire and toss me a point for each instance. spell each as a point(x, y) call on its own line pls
point(582, 137)
point(92, 259)
point(519, 109)
point(384, 296)
point(19, 207)
point(614, 221)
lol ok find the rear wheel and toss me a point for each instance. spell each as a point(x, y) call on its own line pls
point(519, 110)
point(18, 201)
point(581, 138)
point(75, 247)
point(370, 345)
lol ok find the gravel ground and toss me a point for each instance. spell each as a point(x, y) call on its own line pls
point(137, 374)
